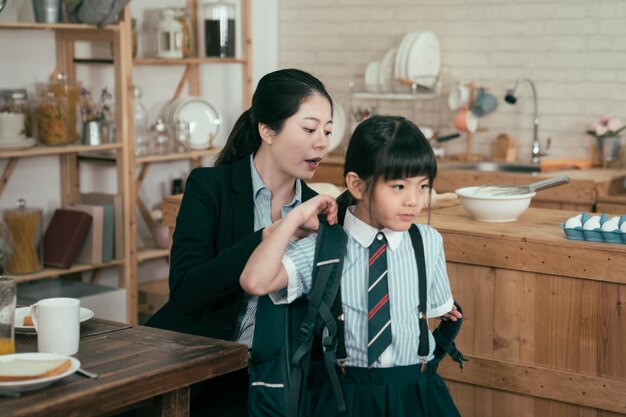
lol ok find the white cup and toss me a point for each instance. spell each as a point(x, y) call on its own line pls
point(459, 96)
point(57, 322)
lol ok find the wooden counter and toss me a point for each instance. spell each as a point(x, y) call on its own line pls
point(545, 322)
point(582, 193)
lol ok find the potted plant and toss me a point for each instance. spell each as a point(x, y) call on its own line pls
point(95, 115)
point(606, 130)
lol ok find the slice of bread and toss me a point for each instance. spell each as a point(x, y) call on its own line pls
point(28, 321)
point(21, 369)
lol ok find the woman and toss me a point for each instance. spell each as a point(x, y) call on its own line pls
point(274, 145)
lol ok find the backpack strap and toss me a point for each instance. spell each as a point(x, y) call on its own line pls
point(444, 335)
point(418, 247)
point(330, 249)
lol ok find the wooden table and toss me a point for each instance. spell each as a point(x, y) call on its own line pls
point(544, 325)
point(137, 366)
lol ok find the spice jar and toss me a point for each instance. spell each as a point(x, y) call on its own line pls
point(51, 119)
point(22, 239)
point(16, 101)
point(63, 87)
point(182, 16)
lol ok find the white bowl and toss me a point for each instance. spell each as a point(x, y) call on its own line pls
point(491, 208)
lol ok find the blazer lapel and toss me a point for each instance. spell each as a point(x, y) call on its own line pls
point(242, 199)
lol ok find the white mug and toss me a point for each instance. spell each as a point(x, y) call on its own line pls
point(57, 322)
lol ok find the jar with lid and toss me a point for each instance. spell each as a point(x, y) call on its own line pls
point(63, 87)
point(51, 119)
point(182, 16)
point(142, 139)
point(160, 137)
point(169, 36)
point(16, 101)
point(182, 136)
point(22, 232)
point(219, 29)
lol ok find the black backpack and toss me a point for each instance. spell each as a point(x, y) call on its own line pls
point(281, 362)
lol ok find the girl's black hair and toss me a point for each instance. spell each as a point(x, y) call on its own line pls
point(278, 96)
point(384, 148)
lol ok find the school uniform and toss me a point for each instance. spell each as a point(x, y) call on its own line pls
point(395, 384)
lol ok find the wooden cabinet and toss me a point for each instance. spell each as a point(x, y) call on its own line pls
point(65, 35)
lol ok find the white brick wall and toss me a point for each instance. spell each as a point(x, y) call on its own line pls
point(574, 51)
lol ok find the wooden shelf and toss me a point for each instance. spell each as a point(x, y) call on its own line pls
point(57, 26)
point(394, 96)
point(177, 156)
point(148, 254)
point(185, 61)
point(55, 272)
point(40, 150)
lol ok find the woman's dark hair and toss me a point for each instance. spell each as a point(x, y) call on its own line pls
point(277, 97)
point(384, 148)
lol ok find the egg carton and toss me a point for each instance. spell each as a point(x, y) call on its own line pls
point(596, 234)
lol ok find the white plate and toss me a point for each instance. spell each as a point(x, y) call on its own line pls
point(32, 384)
point(403, 49)
point(385, 75)
point(20, 312)
point(13, 145)
point(424, 59)
point(371, 77)
point(339, 126)
point(204, 120)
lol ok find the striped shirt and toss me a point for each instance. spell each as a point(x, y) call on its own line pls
point(403, 288)
point(262, 218)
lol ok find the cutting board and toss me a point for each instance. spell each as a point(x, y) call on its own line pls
point(504, 148)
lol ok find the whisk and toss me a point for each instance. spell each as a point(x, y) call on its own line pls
point(506, 190)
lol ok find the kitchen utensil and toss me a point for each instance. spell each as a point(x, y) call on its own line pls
point(445, 138)
point(503, 148)
point(88, 374)
point(493, 208)
point(504, 190)
point(2, 4)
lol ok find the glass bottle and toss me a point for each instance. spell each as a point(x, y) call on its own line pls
point(169, 36)
point(22, 237)
point(219, 29)
point(182, 136)
point(142, 139)
point(182, 16)
point(160, 137)
point(133, 27)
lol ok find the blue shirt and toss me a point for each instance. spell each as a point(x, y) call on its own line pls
point(402, 282)
point(262, 218)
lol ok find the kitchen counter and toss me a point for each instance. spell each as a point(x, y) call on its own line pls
point(544, 317)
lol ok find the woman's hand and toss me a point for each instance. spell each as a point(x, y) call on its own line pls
point(309, 210)
point(452, 315)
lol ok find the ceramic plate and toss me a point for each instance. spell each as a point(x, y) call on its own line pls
point(204, 121)
point(339, 126)
point(371, 77)
point(20, 312)
point(385, 75)
point(32, 384)
point(13, 145)
point(424, 59)
point(403, 49)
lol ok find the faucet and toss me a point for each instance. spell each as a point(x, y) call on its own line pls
point(511, 98)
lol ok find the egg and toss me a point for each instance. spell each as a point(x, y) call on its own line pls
point(623, 227)
point(574, 222)
point(592, 224)
point(611, 225)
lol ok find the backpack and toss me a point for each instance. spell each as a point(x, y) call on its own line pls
point(306, 336)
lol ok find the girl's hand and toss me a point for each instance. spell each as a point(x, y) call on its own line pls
point(452, 315)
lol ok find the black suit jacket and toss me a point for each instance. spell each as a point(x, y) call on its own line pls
point(213, 239)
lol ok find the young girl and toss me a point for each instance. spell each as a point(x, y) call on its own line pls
point(389, 173)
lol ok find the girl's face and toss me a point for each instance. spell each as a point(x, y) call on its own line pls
point(299, 147)
point(396, 203)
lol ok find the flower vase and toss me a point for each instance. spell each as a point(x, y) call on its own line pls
point(608, 148)
point(92, 133)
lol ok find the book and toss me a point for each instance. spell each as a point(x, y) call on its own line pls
point(113, 232)
point(91, 252)
point(65, 237)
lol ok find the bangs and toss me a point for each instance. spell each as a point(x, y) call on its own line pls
point(408, 155)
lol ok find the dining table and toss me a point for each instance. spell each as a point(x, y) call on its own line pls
point(137, 367)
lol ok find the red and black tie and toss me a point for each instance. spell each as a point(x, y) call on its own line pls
point(379, 317)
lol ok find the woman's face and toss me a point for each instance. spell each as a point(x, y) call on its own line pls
point(300, 146)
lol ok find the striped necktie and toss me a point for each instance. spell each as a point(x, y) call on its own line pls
point(379, 318)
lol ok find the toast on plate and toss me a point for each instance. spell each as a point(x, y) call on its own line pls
point(20, 369)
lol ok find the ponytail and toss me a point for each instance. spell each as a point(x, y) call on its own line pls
point(243, 140)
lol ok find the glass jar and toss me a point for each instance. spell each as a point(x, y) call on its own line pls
point(182, 16)
point(182, 136)
point(169, 36)
point(160, 137)
point(51, 119)
point(133, 27)
point(63, 87)
point(22, 239)
point(142, 139)
point(16, 101)
point(219, 29)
